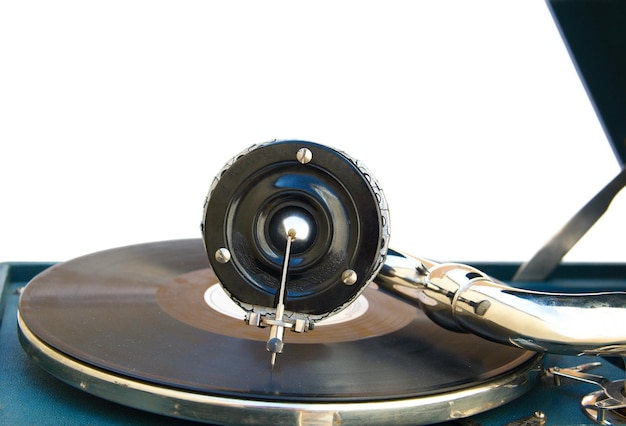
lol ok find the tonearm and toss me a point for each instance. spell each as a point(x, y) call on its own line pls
point(462, 298)
point(296, 230)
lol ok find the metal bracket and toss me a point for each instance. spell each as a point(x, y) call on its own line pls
point(600, 406)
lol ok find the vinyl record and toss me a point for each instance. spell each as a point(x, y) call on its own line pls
point(139, 325)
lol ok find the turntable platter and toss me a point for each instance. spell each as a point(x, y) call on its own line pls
point(132, 325)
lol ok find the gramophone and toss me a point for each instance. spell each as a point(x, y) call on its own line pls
point(293, 309)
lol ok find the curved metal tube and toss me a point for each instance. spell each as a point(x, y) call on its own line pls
point(462, 298)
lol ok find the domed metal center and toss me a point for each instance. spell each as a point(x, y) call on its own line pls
point(294, 219)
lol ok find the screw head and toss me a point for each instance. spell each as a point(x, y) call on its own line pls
point(349, 277)
point(304, 155)
point(222, 255)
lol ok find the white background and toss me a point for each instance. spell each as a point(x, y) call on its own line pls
point(115, 115)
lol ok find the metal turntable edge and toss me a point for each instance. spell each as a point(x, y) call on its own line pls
point(194, 405)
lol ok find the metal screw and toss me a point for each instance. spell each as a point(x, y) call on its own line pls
point(304, 155)
point(222, 255)
point(348, 277)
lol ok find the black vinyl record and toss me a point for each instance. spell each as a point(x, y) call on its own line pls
point(140, 313)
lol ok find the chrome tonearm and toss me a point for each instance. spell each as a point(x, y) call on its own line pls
point(462, 298)
point(342, 223)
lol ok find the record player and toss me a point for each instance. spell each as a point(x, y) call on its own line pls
point(292, 308)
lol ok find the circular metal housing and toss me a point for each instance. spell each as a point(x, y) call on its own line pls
point(333, 204)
